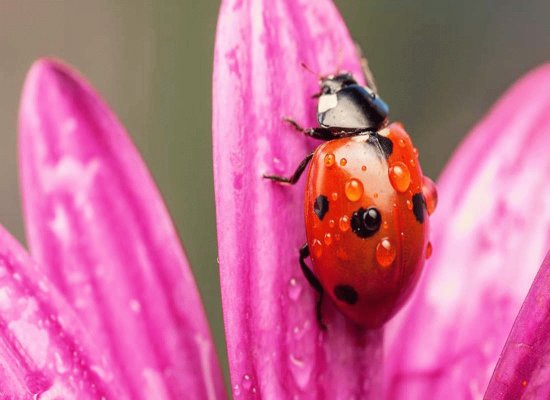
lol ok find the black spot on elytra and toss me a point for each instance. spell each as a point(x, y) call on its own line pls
point(419, 205)
point(365, 222)
point(346, 293)
point(382, 143)
point(320, 206)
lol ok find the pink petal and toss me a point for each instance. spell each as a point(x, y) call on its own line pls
point(522, 369)
point(97, 223)
point(45, 352)
point(275, 347)
point(490, 233)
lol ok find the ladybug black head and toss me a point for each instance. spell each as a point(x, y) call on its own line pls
point(344, 104)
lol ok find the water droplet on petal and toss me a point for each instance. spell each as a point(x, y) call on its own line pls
point(246, 382)
point(294, 289)
point(430, 194)
point(328, 239)
point(400, 177)
point(353, 189)
point(329, 160)
point(385, 252)
point(236, 390)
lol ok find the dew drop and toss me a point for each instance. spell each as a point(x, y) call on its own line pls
point(385, 253)
point(246, 382)
point(364, 168)
point(430, 194)
point(342, 255)
point(412, 162)
point(337, 236)
point(343, 162)
point(344, 223)
point(331, 223)
point(415, 151)
point(236, 390)
point(334, 196)
point(329, 160)
point(328, 239)
point(294, 289)
point(317, 248)
point(429, 250)
point(400, 177)
point(385, 224)
point(353, 189)
point(401, 143)
point(409, 205)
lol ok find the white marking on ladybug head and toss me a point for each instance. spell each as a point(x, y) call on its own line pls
point(326, 102)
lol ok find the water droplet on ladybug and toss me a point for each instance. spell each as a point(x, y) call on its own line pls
point(429, 250)
point(430, 194)
point(400, 176)
point(337, 236)
point(329, 160)
point(353, 189)
point(411, 161)
point(344, 223)
point(328, 239)
point(294, 289)
point(409, 205)
point(341, 254)
point(343, 162)
point(331, 223)
point(334, 196)
point(317, 248)
point(385, 224)
point(401, 143)
point(415, 151)
point(385, 252)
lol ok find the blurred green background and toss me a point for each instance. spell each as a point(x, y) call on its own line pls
point(440, 64)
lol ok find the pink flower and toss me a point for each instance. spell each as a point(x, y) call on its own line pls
point(489, 235)
point(107, 307)
point(111, 310)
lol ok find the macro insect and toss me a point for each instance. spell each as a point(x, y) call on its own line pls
point(366, 204)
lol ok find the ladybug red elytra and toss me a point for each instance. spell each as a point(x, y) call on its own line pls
point(366, 204)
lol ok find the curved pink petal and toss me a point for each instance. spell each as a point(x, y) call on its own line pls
point(275, 347)
point(97, 223)
point(45, 352)
point(489, 234)
point(522, 370)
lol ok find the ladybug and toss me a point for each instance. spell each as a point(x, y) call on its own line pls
point(367, 204)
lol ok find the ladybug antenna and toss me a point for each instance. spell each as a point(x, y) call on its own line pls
point(367, 73)
point(308, 69)
point(339, 60)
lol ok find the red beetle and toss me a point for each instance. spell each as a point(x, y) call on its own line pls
point(366, 205)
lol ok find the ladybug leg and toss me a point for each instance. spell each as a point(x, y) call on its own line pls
point(367, 73)
point(316, 133)
point(313, 281)
point(294, 178)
